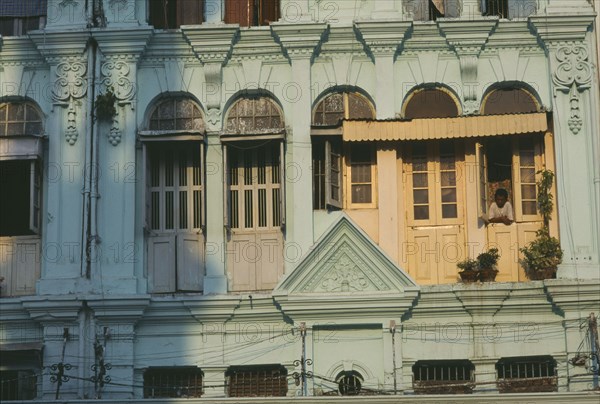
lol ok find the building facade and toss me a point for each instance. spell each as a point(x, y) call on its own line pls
point(234, 198)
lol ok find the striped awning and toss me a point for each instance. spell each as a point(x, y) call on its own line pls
point(445, 128)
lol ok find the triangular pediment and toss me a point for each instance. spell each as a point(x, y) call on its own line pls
point(346, 260)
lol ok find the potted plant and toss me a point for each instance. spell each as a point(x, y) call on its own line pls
point(469, 270)
point(542, 256)
point(487, 265)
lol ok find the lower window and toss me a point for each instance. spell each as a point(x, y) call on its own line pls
point(173, 382)
point(18, 385)
point(533, 374)
point(257, 381)
point(443, 377)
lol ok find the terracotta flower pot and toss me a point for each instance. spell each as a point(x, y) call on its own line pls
point(487, 274)
point(541, 274)
point(469, 276)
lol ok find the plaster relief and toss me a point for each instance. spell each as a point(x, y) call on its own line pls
point(70, 84)
point(573, 74)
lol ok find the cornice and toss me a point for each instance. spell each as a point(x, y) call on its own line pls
point(574, 295)
point(211, 43)
point(53, 309)
point(560, 27)
point(467, 36)
point(382, 37)
point(479, 301)
point(257, 44)
point(56, 45)
point(123, 43)
point(168, 45)
point(512, 34)
point(19, 50)
point(119, 308)
point(342, 40)
point(299, 41)
point(212, 308)
point(424, 37)
point(11, 309)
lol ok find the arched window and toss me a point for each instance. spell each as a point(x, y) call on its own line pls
point(349, 383)
point(508, 101)
point(337, 106)
point(254, 115)
point(430, 103)
point(19, 118)
point(177, 114)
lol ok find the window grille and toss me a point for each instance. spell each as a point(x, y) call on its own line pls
point(18, 385)
point(257, 381)
point(527, 374)
point(20, 118)
point(17, 17)
point(168, 14)
point(177, 115)
point(333, 108)
point(443, 377)
point(255, 185)
point(254, 115)
point(172, 382)
point(349, 383)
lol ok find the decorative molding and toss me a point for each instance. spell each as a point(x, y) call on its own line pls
point(71, 133)
point(382, 38)
point(70, 81)
point(116, 75)
point(124, 43)
point(299, 41)
point(114, 135)
point(345, 277)
point(572, 75)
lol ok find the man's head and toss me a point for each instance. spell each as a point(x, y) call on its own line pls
point(501, 196)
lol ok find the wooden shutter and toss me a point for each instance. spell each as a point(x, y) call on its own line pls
point(147, 201)
point(333, 174)
point(239, 12)
point(226, 191)
point(269, 12)
point(190, 262)
point(282, 179)
point(481, 162)
point(190, 12)
point(161, 264)
point(34, 197)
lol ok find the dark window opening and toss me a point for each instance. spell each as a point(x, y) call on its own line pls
point(175, 382)
point(19, 118)
point(251, 13)
point(169, 14)
point(508, 8)
point(335, 107)
point(362, 159)
point(257, 381)
point(496, 7)
point(443, 377)
point(499, 159)
point(509, 101)
point(430, 103)
point(349, 383)
point(18, 385)
point(15, 183)
point(18, 17)
point(527, 374)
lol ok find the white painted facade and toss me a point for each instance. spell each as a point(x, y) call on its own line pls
point(89, 274)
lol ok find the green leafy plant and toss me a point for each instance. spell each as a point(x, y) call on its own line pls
point(542, 253)
point(544, 197)
point(105, 105)
point(468, 264)
point(488, 259)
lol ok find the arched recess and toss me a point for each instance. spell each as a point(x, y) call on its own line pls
point(175, 213)
point(253, 139)
point(509, 98)
point(335, 106)
point(431, 102)
point(21, 167)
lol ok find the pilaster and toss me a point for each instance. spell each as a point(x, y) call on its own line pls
point(383, 39)
point(575, 91)
point(299, 42)
point(467, 39)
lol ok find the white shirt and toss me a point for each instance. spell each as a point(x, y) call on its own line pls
point(506, 210)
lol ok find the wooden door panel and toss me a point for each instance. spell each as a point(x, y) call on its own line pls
point(161, 264)
point(269, 267)
point(422, 258)
point(241, 262)
point(451, 246)
point(190, 262)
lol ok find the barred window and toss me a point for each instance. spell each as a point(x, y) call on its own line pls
point(17, 17)
point(18, 385)
point(349, 383)
point(257, 381)
point(168, 14)
point(443, 377)
point(251, 13)
point(254, 115)
point(176, 382)
point(177, 114)
point(335, 107)
point(19, 118)
point(527, 374)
